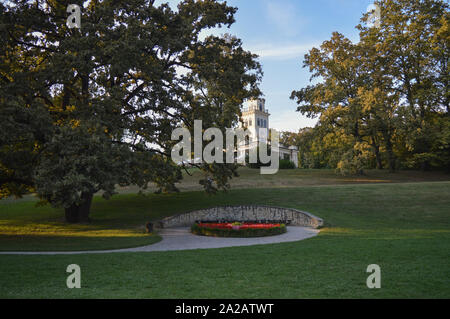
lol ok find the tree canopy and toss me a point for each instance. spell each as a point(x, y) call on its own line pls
point(83, 110)
point(384, 101)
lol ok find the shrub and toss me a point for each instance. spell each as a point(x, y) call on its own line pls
point(286, 164)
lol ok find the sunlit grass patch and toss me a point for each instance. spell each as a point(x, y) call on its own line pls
point(69, 242)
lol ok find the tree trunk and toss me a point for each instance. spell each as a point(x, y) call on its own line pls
point(425, 166)
point(390, 150)
point(391, 156)
point(376, 150)
point(379, 159)
point(80, 213)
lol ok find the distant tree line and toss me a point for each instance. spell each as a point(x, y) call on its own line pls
point(383, 102)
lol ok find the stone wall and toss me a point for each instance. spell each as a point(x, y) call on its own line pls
point(288, 216)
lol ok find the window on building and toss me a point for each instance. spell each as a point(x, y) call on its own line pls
point(265, 123)
point(250, 123)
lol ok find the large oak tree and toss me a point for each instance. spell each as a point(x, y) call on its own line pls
point(84, 110)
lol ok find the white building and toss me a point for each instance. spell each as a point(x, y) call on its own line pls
point(255, 118)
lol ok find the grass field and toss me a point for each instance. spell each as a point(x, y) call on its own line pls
point(251, 178)
point(403, 226)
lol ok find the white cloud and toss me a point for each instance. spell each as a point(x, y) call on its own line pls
point(280, 51)
point(284, 18)
point(290, 121)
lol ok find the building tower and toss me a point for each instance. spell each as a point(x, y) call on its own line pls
point(256, 119)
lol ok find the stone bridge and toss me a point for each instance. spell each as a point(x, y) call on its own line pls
point(289, 216)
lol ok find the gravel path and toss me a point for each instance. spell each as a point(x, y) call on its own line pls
point(180, 238)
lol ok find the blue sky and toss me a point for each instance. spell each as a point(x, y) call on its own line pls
point(281, 32)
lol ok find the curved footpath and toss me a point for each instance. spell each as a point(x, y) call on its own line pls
point(180, 238)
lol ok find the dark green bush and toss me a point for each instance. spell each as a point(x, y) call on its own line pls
point(286, 164)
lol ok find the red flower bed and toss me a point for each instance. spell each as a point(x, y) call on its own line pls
point(242, 226)
point(237, 229)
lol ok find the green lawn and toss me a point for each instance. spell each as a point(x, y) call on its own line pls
point(251, 178)
point(403, 227)
point(119, 223)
